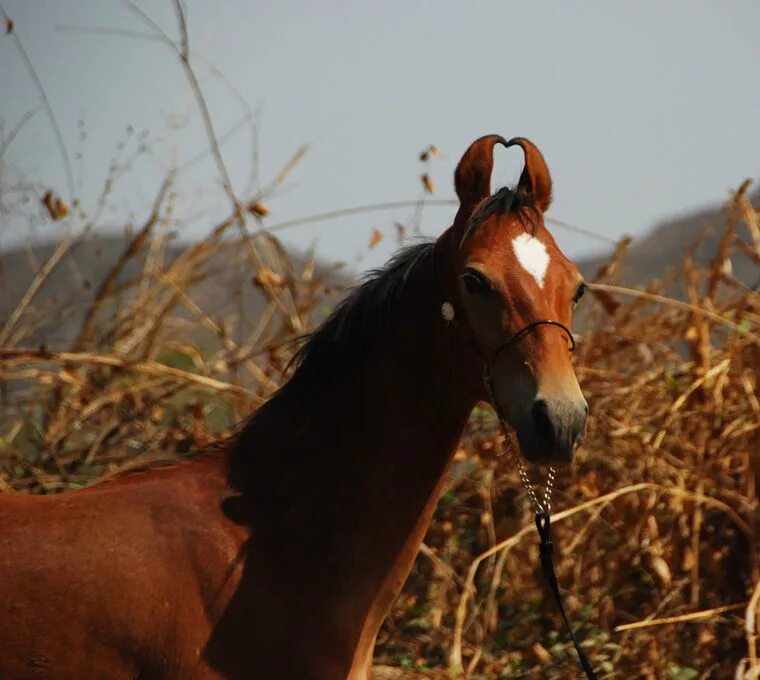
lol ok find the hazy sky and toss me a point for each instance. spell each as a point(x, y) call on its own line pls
point(642, 109)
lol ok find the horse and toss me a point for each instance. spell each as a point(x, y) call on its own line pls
point(279, 554)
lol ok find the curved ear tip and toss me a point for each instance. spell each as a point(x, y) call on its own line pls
point(472, 176)
point(522, 142)
point(484, 143)
point(535, 178)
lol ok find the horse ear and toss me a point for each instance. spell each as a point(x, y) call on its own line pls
point(472, 178)
point(535, 178)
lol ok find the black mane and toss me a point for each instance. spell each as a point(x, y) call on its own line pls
point(329, 355)
point(344, 339)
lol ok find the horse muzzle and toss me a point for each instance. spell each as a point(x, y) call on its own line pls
point(553, 429)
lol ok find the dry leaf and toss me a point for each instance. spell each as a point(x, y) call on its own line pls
point(376, 237)
point(661, 568)
point(220, 366)
point(688, 559)
point(706, 636)
point(258, 208)
point(56, 208)
point(427, 183)
point(541, 654)
point(428, 152)
point(654, 529)
point(609, 269)
point(266, 278)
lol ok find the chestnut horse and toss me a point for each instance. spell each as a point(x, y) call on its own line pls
point(279, 555)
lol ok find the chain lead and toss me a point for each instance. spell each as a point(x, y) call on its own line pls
point(541, 507)
point(543, 524)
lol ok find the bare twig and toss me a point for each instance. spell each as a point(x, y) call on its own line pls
point(55, 258)
point(11, 357)
point(681, 618)
point(663, 300)
point(751, 629)
point(184, 54)
point(16, 129)
point(46, 103)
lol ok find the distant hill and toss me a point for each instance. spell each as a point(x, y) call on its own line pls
point(66, 294)
point(662, 249)
point(70, 289)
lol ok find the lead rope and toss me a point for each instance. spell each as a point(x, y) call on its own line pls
point(543, 526)
point(543, 509)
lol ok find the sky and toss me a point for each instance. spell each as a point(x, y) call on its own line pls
point(644, 110)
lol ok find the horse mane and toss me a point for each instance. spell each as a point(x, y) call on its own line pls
point(342, 342)
point(337, 349)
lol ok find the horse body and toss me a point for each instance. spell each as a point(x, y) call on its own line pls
point(280, 555)
point(117, 581)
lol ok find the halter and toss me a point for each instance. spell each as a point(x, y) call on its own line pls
point(542, 507)
point(447, 313)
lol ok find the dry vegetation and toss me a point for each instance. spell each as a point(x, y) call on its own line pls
point(657, 521)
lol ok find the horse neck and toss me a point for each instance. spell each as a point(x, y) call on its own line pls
point(352, 474)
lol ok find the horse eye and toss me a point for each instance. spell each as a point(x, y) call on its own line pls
point(579, 293)
point(475, 282)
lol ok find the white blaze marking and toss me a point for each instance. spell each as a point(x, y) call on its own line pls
point(532, 255)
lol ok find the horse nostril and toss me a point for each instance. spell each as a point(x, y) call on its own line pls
point(541, 419)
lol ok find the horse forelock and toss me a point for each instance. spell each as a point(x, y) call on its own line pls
point(505, 202)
